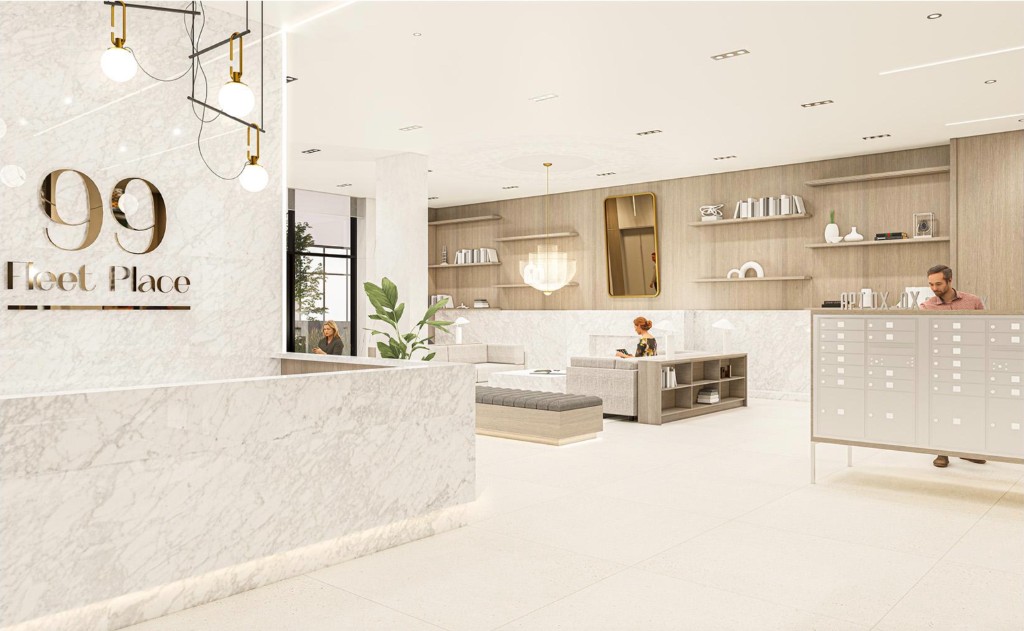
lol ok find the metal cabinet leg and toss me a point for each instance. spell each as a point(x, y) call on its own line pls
point(849, 455)
point(813, 463)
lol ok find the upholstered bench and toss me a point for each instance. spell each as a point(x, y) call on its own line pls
point(551, 418)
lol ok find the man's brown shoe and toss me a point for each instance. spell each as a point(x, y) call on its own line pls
point(974, 461)
point(941, 461)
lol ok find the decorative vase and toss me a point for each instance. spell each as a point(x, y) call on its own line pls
point(853, 236)
point(832, 233)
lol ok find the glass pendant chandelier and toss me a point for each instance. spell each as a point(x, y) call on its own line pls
point(547, 270)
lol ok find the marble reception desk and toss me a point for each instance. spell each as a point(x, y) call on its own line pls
point(118, 506)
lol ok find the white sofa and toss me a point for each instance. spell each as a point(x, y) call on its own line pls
point(488, 358)
point(612, 379)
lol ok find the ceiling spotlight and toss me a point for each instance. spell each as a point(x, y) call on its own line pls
point(604, 174)
point(417, 34)
point(253, 177)
point(410, 128)
point(731, 54)
point(118, 63)
point(429, 198)
point(648, 132)
point(934, 16)
point(876, 137)
point(343, 185)
point(505, 188)
point(724, 158)
point(290, 79)
point(235, 97)
point(543, 97)
point(990, 82)
point(817, 103)
point(311, 151)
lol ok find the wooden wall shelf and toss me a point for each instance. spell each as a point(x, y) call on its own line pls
point(868, 177)
point(854, 244)
point(722, 222)
point(524, 285)
point(452, 265)
point(450, 222)
point(749, 279)
point(529, 237)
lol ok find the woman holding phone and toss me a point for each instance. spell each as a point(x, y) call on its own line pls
point(647, 346)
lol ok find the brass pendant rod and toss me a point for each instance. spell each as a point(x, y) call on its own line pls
point(152, 8)
point(223, 113)
point(218, 44)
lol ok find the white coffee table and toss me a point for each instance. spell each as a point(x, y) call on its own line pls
point(529, 380)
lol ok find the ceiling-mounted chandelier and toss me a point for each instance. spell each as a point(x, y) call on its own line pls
point(547, 270)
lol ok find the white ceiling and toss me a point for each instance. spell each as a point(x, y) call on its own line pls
point(624, 67)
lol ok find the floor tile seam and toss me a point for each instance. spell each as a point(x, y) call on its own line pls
point(386, 606)
point(1009, 574)
point(905, 594)
point(559, 599)
point(973, 526)
point(735, 592)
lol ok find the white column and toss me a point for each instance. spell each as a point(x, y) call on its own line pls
point(401, 230)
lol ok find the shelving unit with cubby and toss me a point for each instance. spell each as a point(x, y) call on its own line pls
point(658, 404)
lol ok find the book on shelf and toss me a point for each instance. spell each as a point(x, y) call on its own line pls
point(481, 303)
point(890, 236)
point(436, 298)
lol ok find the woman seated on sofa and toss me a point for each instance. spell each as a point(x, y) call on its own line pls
point(647, 346)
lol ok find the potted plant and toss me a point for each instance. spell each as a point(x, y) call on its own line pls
point(389, 311)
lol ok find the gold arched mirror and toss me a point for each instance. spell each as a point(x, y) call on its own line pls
point(631, 245)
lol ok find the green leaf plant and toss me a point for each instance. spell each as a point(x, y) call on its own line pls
point(384, 299)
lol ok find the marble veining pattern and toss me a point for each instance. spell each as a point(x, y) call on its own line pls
point(130, 498)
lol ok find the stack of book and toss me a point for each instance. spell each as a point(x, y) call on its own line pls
point(708, 395)
point(481, 303)
point(769, 207)
point(668, 377)
point(890, 236)
point(476, 255)
point(435, 298)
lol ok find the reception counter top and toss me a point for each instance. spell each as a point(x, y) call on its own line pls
point(122, 505)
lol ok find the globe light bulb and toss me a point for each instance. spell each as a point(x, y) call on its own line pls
point(254, 178)
point(12, 176)
point(236, 98)
point(129, 204)
point(118, 64)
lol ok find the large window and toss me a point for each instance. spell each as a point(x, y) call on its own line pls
point(321, 269)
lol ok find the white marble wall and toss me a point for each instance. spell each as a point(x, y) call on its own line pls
point(777, 342)
point(400, 214)
point(62, 112)
point(119, 506)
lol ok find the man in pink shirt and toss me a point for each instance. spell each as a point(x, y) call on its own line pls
point(940, 279)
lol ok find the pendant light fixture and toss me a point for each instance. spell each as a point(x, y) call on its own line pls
point(235, 97)
point(547, 270)
point(253, 177)
point(117, 62)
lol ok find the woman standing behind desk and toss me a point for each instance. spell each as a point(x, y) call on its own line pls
point(647, 346)
point(331, 343)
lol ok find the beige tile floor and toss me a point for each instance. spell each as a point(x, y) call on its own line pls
point(708, 524)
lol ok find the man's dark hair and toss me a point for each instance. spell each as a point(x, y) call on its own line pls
point(947, 273)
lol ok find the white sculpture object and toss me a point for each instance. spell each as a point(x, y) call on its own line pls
point(734, 273)
point(711, 213)
point(854, 235)
point(752, 265)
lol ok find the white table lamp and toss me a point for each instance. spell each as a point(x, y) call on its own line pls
point(724, 326)
point(459, 322)
point(666, 326)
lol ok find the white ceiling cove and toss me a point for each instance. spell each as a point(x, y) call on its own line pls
point(620, 68)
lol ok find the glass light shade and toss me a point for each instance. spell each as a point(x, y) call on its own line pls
point(254, 178)
point(129, 204)
point(236, 98)
point(547, 270)
point(118, 64)
point(12, 176)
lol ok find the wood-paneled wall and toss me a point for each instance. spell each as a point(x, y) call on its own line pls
point(688, 252)
point(989, 202)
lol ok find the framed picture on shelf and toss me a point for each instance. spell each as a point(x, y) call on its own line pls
point(924, 225)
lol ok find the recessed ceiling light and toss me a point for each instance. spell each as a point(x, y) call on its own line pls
point(876, 137)
point(648, 132)
point(982, 120)
point(990, 82)
point(417, 34)
point(543, 97)
point(429, 198)
point(343, 185)
point(604, 174)
point(817, 103)
point(955, 59)
point(724, 158)
point(730, 54)
point(505, 188)
point(311, 151)
point(410, 128)
point(934, 16)
point(290, 79)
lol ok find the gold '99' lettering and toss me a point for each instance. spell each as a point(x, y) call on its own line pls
point(94, 222)
point(48, 195)
point(159, 214)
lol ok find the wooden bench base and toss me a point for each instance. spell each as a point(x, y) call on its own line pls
point(539, 426)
